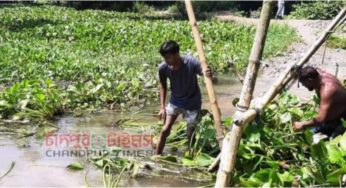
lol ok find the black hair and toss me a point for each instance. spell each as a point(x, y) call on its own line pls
point(307, 72)
point(169, 47)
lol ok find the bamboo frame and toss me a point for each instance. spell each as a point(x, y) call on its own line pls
point(232, 139)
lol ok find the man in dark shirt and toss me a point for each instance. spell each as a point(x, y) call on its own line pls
point(332, 96)
point(182, 73)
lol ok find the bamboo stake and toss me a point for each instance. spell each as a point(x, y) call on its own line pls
point(230, 148)
point(232, 139)
point(208, 81)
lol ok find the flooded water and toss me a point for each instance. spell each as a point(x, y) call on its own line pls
point(35, 168)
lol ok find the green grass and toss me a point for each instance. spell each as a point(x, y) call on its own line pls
point(336, 42)
point(100, 58)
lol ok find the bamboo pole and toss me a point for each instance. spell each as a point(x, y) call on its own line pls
point(231, 141)
point(208, 81)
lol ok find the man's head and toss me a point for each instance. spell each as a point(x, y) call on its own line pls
point(169, 50)
point(309, 77)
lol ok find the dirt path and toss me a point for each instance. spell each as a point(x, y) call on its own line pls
point(309, 30)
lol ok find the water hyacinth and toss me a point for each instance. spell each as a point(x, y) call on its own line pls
point(109, 59)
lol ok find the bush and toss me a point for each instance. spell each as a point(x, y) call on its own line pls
point(141, 7)
point(173, 9)
point(337, 42)
point(201, 7)
point(322, 10)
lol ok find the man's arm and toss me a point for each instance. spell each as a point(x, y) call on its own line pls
point(326, 101)
point(208, 72)
point(163, 93)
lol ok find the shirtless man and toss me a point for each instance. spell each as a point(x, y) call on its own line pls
point(332, 96)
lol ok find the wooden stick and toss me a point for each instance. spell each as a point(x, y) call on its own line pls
point(241, 79)
point(232, 139)
point(208, 81)
point(213, 166)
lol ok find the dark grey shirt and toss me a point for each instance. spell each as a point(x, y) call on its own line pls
point(185, 92)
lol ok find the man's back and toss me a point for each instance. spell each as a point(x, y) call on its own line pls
point(333, 88)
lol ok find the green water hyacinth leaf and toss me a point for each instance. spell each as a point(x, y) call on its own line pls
point(204, 160)
point(201, 160)
point(75, 166)
point(319, 151)
point(168, 158)
point(111, 54)
point(297, 111)
point(286, 177)
point(343, 122)
point(24, 103)
point(335, 177)
point(342, 142)
point(335, 155)
point(100, 163)
point(3, 103)
point(94, 90)
point(286, 117)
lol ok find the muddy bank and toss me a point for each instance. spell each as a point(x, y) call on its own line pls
point(328, 59)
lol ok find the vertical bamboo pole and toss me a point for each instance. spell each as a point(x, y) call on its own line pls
point(231, 141)
point(208, 81)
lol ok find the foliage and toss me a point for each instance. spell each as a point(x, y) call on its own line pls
point(272, 154)
point(142, 8)
point(75, 166)
point(99, 59)
point(202, 149)
point(103, 5)
point(173, 9)
point(201, 7)
point(30, 99)
point(336, 42)
point(322, 10)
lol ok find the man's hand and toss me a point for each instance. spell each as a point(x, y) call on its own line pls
point(298, 126)
point(162, 114)
point(209, 72)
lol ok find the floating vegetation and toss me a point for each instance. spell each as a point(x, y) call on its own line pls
point(55, 59)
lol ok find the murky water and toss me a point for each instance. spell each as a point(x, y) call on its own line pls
point(34, 167)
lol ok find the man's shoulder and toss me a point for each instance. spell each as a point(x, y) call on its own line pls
point(191, 60)
point(189, 57)
point(329, 90)
point(163, 66)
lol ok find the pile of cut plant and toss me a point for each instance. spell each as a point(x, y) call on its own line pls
point(270, 152)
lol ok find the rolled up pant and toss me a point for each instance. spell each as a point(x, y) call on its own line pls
point(332, 129)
